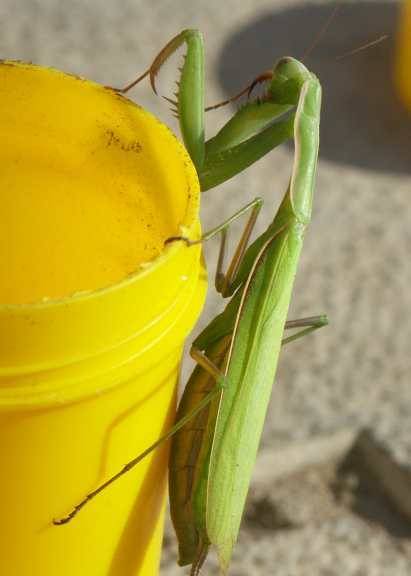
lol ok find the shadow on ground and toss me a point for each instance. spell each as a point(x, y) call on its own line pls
point(349, 483)
point(363, 122)
point(357, 488)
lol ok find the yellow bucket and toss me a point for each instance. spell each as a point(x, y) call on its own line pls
point(403, 54)
point(93, 317)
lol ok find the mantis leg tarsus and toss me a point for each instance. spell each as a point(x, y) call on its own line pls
point(261, 78)
point(157, 63)
point(189, 242)
point(128, 87)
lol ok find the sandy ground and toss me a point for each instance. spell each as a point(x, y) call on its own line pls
point(355, 264)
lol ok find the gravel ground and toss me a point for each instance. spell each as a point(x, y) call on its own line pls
point(355, 264)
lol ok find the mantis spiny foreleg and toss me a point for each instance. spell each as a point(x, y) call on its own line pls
point(253, 131)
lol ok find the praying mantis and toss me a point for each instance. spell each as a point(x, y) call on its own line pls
point(222, 411)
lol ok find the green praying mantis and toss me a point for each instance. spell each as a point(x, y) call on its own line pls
point(222, 411)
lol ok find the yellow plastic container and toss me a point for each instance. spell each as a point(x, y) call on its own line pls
point(93, 317)
point(403, 54)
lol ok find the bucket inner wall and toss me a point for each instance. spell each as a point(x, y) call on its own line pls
point(83, 200)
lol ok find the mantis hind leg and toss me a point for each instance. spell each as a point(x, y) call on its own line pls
point(132, 463)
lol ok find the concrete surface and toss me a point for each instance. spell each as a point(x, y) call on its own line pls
point(356, 258)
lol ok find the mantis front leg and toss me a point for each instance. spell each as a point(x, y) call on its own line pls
point(189, 105)
point(257, 128)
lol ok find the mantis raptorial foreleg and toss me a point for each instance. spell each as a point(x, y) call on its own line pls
point(253, 131)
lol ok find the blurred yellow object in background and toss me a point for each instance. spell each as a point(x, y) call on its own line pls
point(403, 54)
point(93, 317)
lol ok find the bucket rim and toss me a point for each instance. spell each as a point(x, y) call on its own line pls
point(188, 227)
